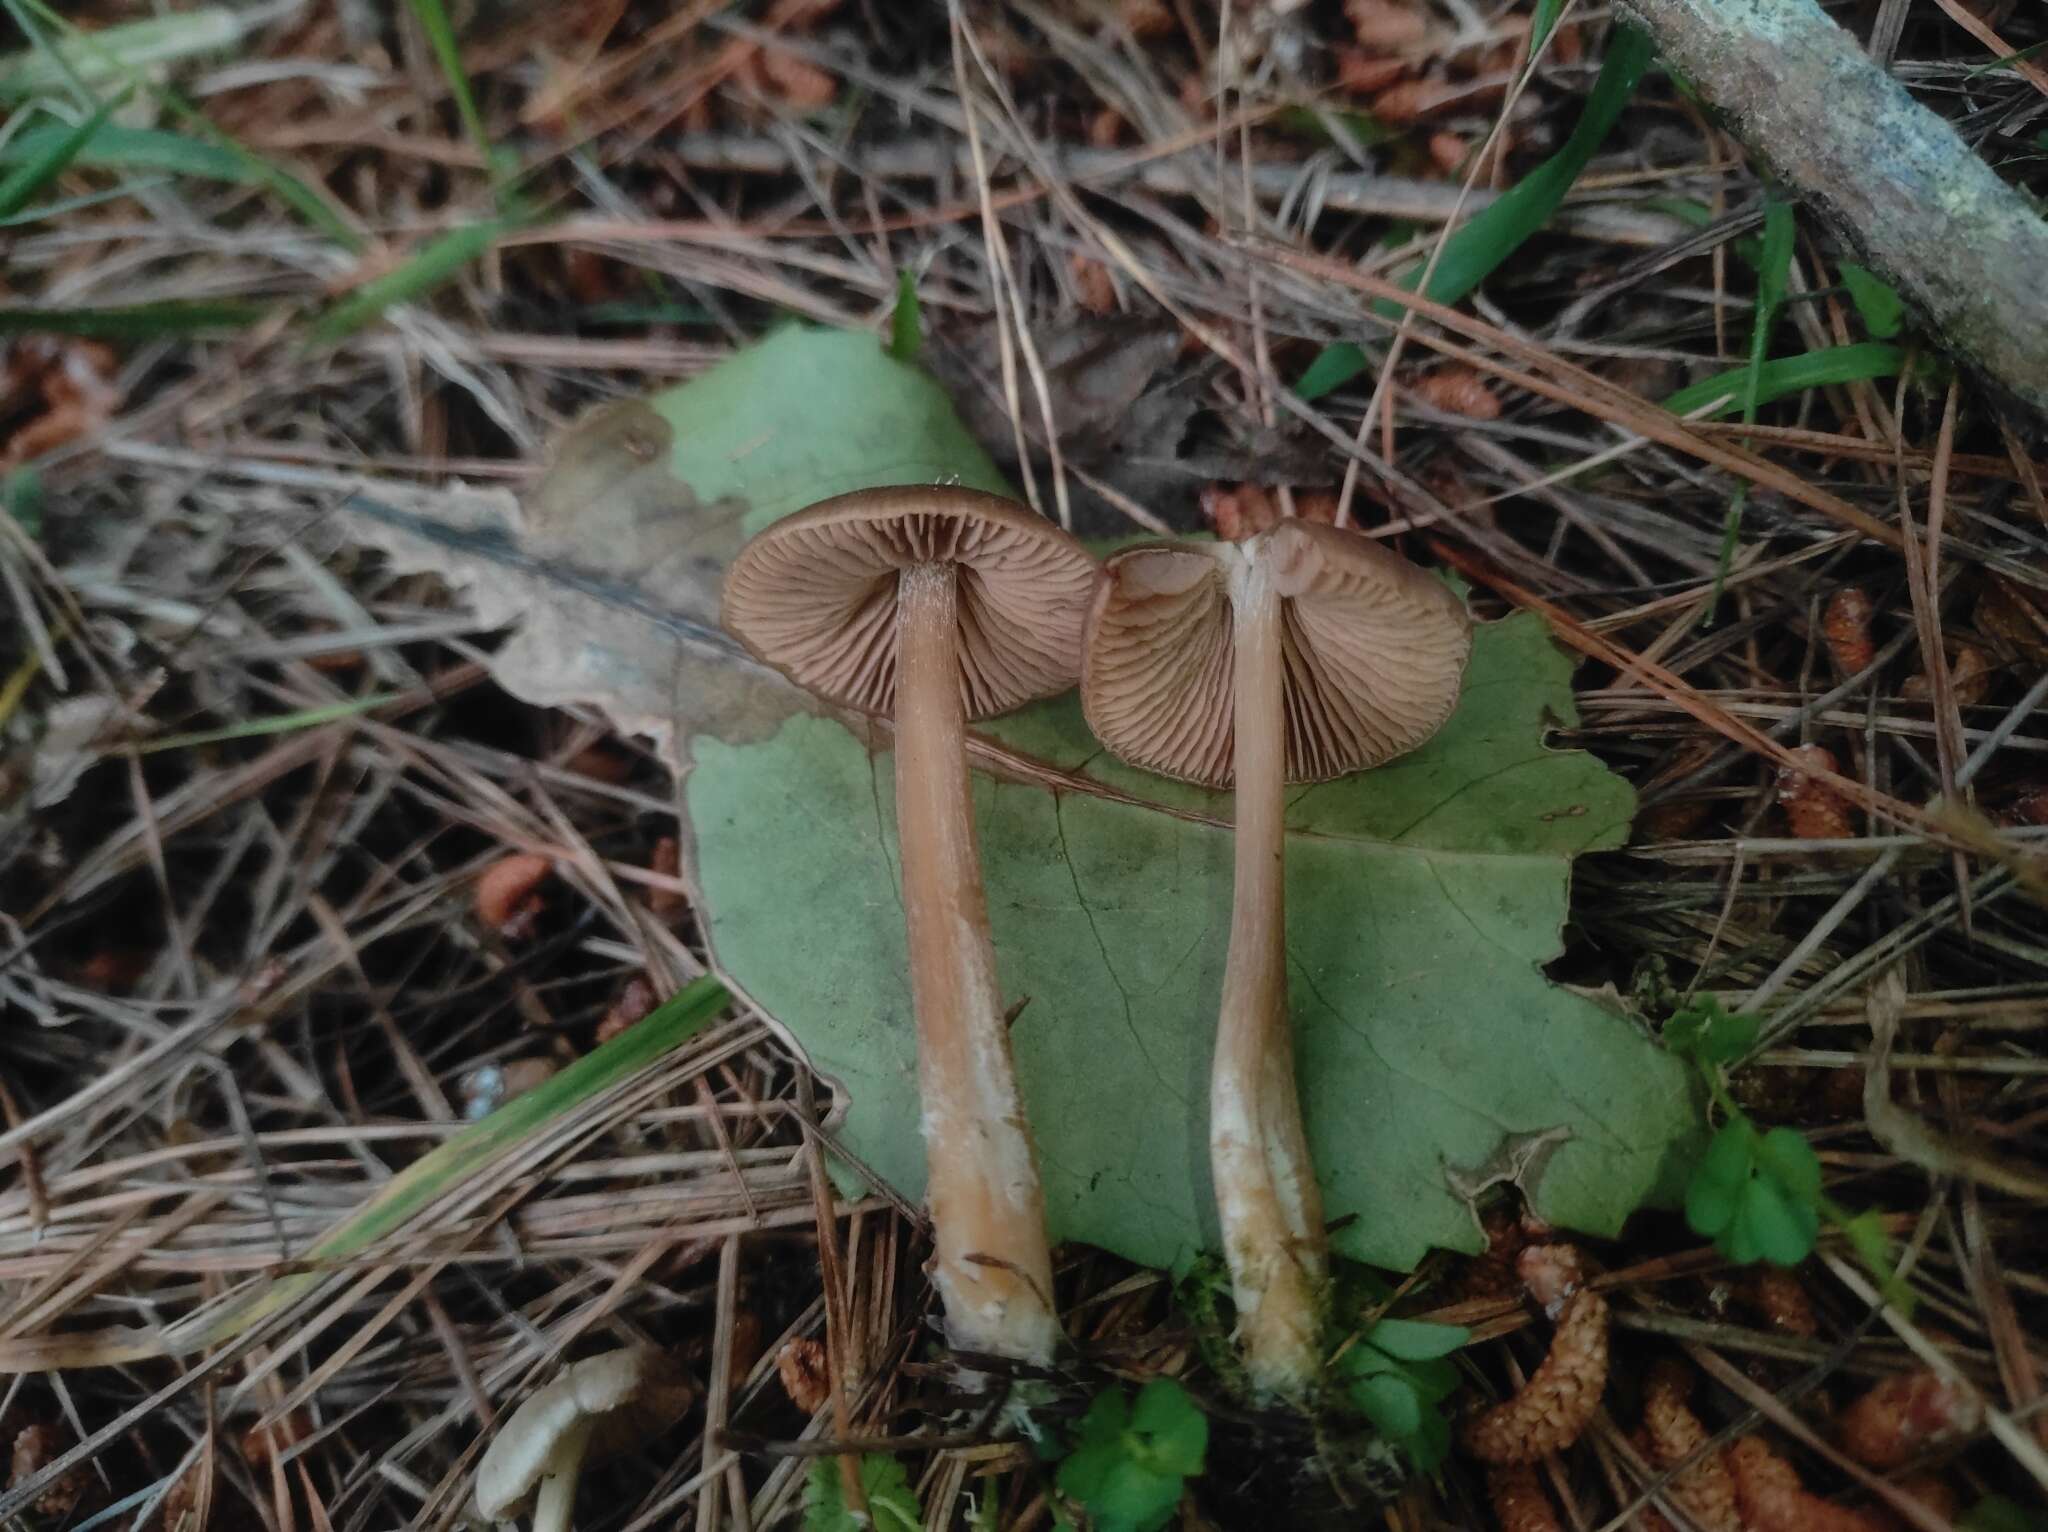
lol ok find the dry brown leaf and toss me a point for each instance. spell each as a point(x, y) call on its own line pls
point(795, 82)
point(1238, 511)
point(1387, 26)
point(1092, 285)
point(805, 1378)
point(1457, 391)
point(1360, 73)
point(507, 896)
point(633, 1003)
point(1903, 1416)
point(1970, 676)
point(1777, 1295)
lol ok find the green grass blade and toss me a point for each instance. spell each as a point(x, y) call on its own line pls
point(466, 1155)
point(1774, 272)
point(1547, 12)
point(114, 53)
point(437, 262)
point(1788, 375)
point(140, 321)
point(433, 20)
point(284, 723)
point(36, 171)
point(114, 147)
point(906, 322)
point(1480, 246)
point(308, 203)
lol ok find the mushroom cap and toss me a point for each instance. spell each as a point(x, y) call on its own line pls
point(814, 595)
point(1374, 649)
point(627, 1398)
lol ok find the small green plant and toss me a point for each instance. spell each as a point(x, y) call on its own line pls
point(1397, 1374)
point(1757, 1194)
point(1130, 1461)
point(892, 1503)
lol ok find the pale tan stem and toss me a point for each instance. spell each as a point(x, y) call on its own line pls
point(992, 1266)
point(1266, 1193)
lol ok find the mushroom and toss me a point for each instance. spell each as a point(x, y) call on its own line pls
point(938, 605)
point(1301, 654)
point(599, 1408)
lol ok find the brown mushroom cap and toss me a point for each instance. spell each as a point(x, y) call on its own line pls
point(1375, 649)
point(814, 595)
point(625, 1398)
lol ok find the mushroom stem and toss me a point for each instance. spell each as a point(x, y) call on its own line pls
point(1266, 1192)
point(992, 1266)
point(554, 1503)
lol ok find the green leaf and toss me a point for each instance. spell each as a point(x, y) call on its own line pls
point(1711, 1200)
point(906, 325)
point(1706, 1031)
point(1415, 1340)
point(466, 1153)
point(1434, 1380)
point(433, 20)
point(810, 413)
point(35, 172)
point(1390, 1402)
point(2010, 60)
point(1133, 1499)
point(1995, 1513)
point(892, 1503)
point(21, 496)
point(437, 262)
point(1176, 1430)
point(125, 52)
point(1422, 899)
point(1769, 1226)
point(140, 321)
point(1786, 1156)
point(118, 51)
point(1333, 367)
point(115, 147)
point(1883, 311)
point(1789, 375)
point(1478, 247)
point(1430, 1444)
point(1108, 1416)
point(1547, 12)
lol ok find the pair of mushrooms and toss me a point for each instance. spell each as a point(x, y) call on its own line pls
point(1301, 654)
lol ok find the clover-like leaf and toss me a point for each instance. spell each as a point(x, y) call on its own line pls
point(1174, 1429)
point(1768, 1226)
point(1130, 1463)
point(1707, 1031)
point(1717, 1183)
point(1786, 1156)
point(892, 1503)
point(1390, 1402)
point(1415, 1340)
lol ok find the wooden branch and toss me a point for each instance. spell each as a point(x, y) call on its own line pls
point(1896, 181)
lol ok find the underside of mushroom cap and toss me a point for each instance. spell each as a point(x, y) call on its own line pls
point(814, 595)
point(1375, 650)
